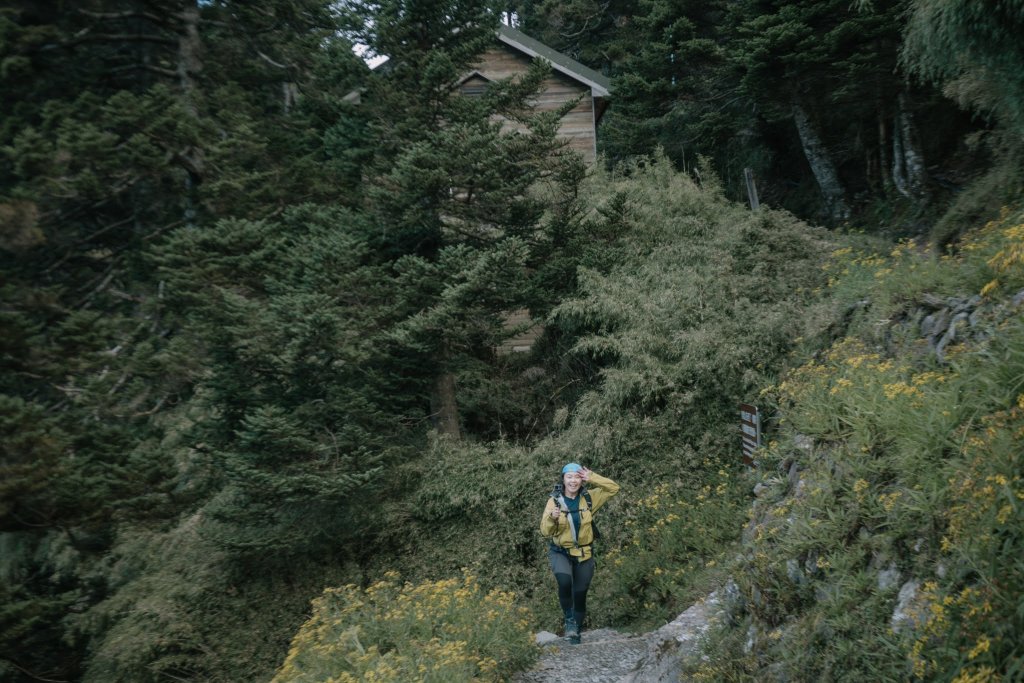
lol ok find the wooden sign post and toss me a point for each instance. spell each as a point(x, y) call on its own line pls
point(750, 431)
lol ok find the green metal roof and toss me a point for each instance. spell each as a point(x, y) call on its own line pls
point(600, 84)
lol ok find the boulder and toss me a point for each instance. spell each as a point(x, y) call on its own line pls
point(909, 612)
point(546, 638)
point(670, 644)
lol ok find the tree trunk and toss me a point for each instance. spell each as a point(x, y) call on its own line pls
point(821, 164)
point(908, 172)
point(291, 95)
point(443, 407)
point(899, 174)
point(190, 61)
point(883, 151)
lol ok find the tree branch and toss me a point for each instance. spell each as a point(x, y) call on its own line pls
point(29, 673)
point(121, 38)
point(146, 67)
point(151, 411)
point(155, 18)
point(270, 61)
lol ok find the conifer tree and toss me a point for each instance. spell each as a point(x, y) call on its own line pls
point(598, 34)
point(123, 122)
point(829, 69)
point(298, 417)
point(973, 50)
point(452, 179)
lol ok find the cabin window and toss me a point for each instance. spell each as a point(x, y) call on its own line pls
point(474, 87)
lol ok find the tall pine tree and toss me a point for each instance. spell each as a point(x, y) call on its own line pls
point(453, 182)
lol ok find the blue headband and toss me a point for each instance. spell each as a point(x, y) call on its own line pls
point(571, 467)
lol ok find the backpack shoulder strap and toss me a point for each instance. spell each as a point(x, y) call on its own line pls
point(590, 506)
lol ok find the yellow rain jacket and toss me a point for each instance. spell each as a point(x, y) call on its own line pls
point(559, 532)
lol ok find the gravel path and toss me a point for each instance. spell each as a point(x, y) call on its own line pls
point(608, 656)
point(604, 656)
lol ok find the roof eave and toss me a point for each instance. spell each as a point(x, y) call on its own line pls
point(599, 85)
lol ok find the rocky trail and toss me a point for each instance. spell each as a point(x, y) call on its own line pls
point(608, 656)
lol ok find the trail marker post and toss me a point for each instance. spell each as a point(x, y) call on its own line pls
point(750, 431)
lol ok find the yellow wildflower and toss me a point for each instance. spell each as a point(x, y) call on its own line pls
point(981, 646)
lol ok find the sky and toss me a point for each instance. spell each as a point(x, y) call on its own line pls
point(373, 61)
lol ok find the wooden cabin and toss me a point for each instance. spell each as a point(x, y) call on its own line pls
point(512, 54)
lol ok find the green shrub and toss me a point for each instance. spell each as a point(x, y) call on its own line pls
point(698, 312)
point(983, 196)
point(440, 631)
point(672, 539)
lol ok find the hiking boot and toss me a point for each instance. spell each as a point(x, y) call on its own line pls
point(572, 631)
point(578, 617)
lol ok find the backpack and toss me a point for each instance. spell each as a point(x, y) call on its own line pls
point(557, 493)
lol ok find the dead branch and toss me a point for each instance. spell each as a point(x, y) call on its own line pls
point(117, 385)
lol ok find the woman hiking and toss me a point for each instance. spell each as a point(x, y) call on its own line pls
point(568, 524)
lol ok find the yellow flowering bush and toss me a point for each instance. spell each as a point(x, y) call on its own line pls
point(989, 261)
point(673, 538)
point(853, 393)
point(1005, 243)
point(435, 631)
point(916, 473)
point(978, 615)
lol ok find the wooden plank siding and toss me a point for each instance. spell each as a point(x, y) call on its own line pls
point(524, 332)
point(578, 126)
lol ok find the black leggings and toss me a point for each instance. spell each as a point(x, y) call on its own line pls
point(573, 582)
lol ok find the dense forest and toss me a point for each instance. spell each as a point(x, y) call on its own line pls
point(251, 332)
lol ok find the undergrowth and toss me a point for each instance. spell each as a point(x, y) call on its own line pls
point(697, 306)
point(675, 540)
point(434, 631)
point(887, 538)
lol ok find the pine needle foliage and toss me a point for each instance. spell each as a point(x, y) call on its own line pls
point(971, 49)
point(297, 419)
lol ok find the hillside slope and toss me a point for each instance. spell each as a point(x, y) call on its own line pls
point(886, 537)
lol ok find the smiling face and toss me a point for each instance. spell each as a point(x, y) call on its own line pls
point(572, 481)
